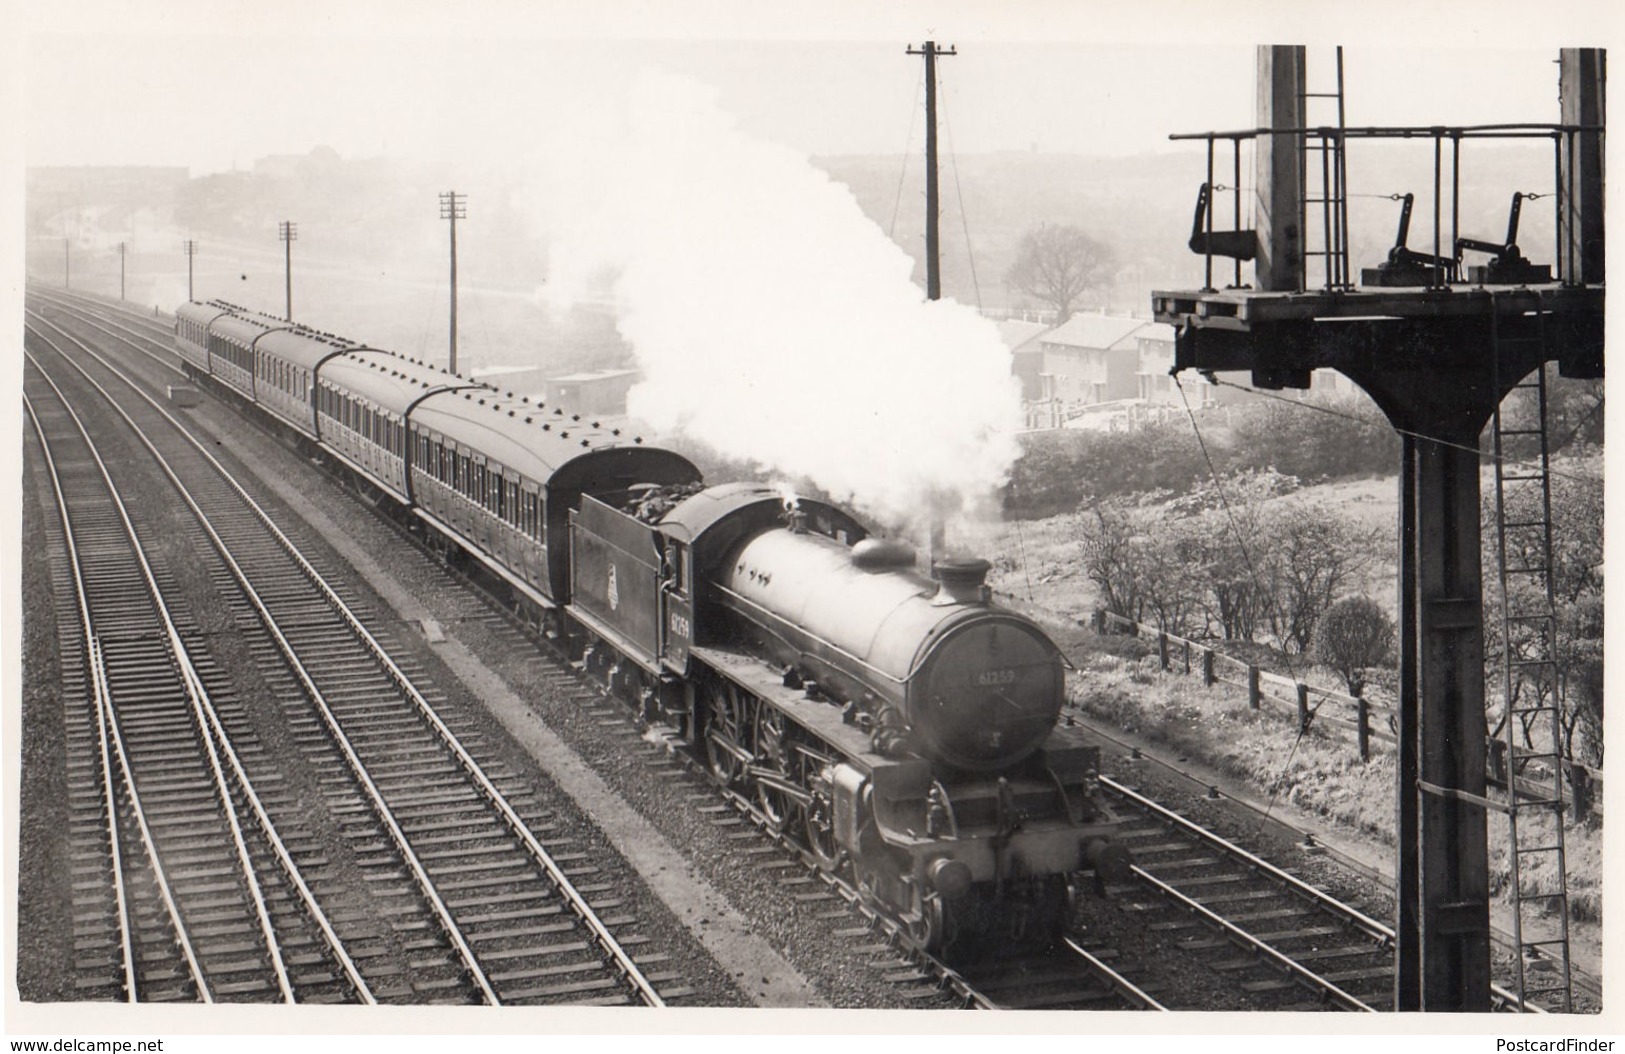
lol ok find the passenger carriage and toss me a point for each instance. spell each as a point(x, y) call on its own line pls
point(504, 474)
point(231, 340)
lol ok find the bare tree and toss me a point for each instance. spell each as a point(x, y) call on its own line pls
point(1312, 553)
point(1056, 265)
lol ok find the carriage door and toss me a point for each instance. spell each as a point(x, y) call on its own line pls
point(677, 606)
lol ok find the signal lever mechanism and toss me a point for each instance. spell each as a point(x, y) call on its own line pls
point(1506, 265)
point(1242, 245)
point(1405, 266)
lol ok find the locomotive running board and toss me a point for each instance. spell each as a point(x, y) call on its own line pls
point(766, 682)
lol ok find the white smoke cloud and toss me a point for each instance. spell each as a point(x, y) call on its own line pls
point(773, 320)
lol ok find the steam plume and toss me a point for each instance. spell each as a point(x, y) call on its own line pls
point(774, 321)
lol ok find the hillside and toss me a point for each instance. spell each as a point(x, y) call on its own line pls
point(377, 217)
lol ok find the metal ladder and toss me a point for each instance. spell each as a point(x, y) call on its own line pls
point(1530, 680)
point(1331, 195)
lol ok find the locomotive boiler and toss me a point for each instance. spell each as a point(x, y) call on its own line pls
point(903, 728)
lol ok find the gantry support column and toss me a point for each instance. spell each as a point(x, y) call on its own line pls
point(1278, 161)
point(1442, 884)
point(1443, 868)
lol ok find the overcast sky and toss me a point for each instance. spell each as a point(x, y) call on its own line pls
point(208, 86)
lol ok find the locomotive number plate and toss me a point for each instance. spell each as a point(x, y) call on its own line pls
point(996, 678)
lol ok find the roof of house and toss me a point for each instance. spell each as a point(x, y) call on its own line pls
point(1017, 334)
point(591, 376)
point(1095, 331)
point(1155, 331)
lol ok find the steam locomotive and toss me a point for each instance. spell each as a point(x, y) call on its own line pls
point(902, 729)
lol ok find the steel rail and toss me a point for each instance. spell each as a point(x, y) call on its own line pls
point(111, 326)
point(1122, 985)
point(319, 917)
point(284, 856)
point(1381, 933)
point(196, 692)
point(99, 693)
point(516, 825)
point(109, 734)
point(1253, 944)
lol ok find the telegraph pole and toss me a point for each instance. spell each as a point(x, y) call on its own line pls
point(933, 273)
point(933, 265)
point(190, 248)
point(453, 207)
point(121, 270)
point(288, 232)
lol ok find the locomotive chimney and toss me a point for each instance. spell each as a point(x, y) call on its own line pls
point(960, 581)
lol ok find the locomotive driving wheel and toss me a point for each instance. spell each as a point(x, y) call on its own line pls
point(818, 827)
point(1038, 918)
point(929, 929)
point(726, 721)
point(773, 752)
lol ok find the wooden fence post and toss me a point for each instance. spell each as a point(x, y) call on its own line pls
point(1208, 678)
point(1363, 728)
point(1162, 648)
point(1187, 658)
point(1252, 687)
point(1303, 707)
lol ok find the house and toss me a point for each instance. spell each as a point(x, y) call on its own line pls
point(1087, 360)
point(1160, 390)
point(1154, 347)
point(601, 392)
point(1026, 354)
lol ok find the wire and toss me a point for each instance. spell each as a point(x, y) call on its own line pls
point(908, 142)
point(1320, 408)
point(964, 220)
point(1246, 558)
point(1021, 547)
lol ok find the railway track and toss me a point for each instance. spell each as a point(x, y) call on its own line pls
point(437, 863)
point(172, 902)
point(1283, 944)
point(1277, 939)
